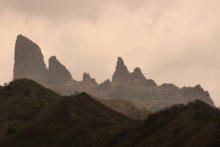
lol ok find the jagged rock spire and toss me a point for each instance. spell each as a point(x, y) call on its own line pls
point(121, 73)
point(137, 74)
point(86, 77)
point(105, 85)
point(58, 72)
point(138, 78)
point(29, 61)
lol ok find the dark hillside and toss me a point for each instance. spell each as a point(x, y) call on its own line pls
point(38, 117)
point(196, 124)
point(23, 102)
point(33, 116)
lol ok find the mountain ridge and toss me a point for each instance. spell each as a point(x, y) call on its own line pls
point(32, 115)
point(126, 85)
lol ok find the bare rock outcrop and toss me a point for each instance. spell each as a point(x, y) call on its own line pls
point(121, 74)
point(196, 93)
point(138, 78)
point(29, 61)
point(133, 87)
point(58, 72)
point(87, 80)
point(105, 85)
point(137, 74)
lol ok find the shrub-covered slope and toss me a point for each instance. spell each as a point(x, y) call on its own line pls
point(34, 116)
point(31, 115)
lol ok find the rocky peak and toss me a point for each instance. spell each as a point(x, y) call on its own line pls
point(58, 72)
point(87, 78)
point(137, 74)
point(200, 90)
point(120, 62)
point(105, 85)
point(195, 90)
point(29, 61)
point(169, 87)
point(139, 79)
point(121, 73)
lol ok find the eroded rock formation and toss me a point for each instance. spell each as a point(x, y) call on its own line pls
point(29, 61)
point(121, 74)
point(133, 87)
point(58, 72)
point(138, 78)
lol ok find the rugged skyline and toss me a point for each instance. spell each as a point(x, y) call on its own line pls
point(173, 41)
point(127, 85)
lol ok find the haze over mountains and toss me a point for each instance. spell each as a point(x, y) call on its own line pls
point(115, 73)
point(114, 116)
point(33, 116)
point(124, 85)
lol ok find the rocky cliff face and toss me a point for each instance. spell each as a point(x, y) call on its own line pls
point(137, 74)
point(87, 78)
point(29, 61)
point(87, 82)
point(121, 74)
point(105, 85)
point(58, 72)
point(196, 92)
point(138, 78)
point(133, 87)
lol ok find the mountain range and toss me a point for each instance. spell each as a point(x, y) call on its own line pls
point(46, 107)
point(132, 87)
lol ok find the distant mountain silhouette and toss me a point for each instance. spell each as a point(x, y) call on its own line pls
point(29, 61)
point(33, 116)
point(125, 85)
point(57, 72)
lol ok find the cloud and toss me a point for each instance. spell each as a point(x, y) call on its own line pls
point(172, 41)
point(76, 9)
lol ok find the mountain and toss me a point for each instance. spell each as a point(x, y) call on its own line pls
point(32, 115)
point(35, 116)
point(121, 74)
point(196, 124)
point(127, 108)
point(58, 72)
point(145, 92)
point(29, 61)
point(125, 85)
point(88, 81)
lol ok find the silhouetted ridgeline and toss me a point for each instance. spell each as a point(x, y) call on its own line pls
point(33, 116)
point(125, 85)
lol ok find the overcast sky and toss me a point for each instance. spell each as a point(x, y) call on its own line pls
point(173, 41)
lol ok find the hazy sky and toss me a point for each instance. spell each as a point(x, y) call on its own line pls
point(173, 41)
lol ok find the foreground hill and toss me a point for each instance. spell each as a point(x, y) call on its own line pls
point(35, 116)
point(125, 85)
point(127, 108)
point(194, 125)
